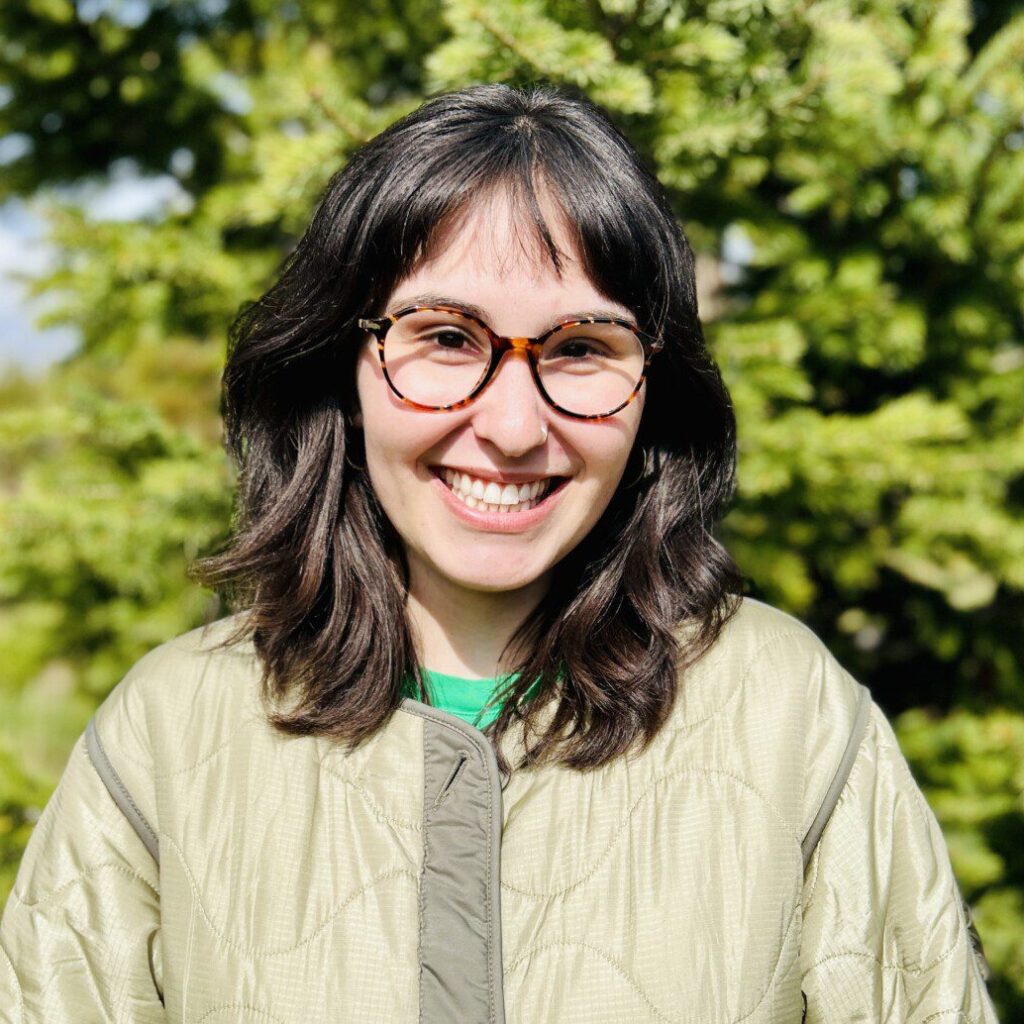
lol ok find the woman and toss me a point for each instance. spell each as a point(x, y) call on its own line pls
point(494, 736)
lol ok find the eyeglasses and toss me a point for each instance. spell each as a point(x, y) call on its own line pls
point(438, 358)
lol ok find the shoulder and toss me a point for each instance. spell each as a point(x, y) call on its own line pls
point(182, 696)
point(774, 655)
point(772, 682)
point(192, 667)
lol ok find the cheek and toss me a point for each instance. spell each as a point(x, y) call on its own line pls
point(393, 440)
point(605, 447)
point(395, 436)
point(384, 439)
point(369, 380)
point(386, 423)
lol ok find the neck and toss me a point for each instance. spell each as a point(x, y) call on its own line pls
point(462, 632)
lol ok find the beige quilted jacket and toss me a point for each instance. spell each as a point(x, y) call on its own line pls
point(193, 865)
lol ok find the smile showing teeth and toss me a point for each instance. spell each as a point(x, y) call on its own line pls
point(488, 496)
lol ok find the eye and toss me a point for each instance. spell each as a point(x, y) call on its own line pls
point(453, 337)
point(576, 348)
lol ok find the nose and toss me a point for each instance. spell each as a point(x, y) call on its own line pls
point(510, 412)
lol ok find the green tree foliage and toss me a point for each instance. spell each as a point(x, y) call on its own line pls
point(868, 161)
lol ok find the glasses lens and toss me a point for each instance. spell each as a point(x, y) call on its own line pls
point(591, 369)
point(436, 357)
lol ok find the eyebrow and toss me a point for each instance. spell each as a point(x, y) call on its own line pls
point(433, 299)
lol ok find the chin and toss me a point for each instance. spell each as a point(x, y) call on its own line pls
point(491, 580)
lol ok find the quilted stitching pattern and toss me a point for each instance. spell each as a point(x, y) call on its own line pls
point(682, 856)
point(667, 887)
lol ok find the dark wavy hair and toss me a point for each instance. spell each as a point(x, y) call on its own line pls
point(312, 556)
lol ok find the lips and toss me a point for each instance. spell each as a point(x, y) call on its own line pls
point(502, 521)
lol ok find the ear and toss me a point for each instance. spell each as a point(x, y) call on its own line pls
point(357, 418)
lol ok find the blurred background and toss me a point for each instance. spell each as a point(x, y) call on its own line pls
point(850, 174)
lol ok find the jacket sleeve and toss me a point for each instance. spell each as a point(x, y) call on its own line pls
point(887, 937)
point(79, 936)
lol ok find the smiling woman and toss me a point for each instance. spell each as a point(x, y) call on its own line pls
point(492, 734)
point(480, 564)
point(495, 286)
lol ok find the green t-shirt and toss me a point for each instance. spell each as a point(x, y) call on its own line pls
point(460, 696)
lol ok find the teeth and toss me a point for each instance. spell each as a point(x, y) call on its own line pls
point(491, 496)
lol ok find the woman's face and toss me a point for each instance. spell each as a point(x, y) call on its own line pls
point(509, 433)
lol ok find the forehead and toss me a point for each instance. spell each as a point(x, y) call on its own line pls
point(489, 259)
point(496, 233)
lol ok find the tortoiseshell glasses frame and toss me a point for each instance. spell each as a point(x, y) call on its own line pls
point(378, 327)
